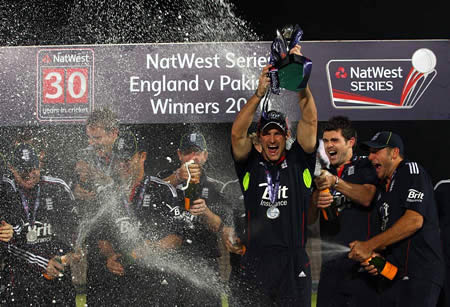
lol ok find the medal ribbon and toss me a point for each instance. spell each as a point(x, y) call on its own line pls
point(141, 193)
point(272, 187)
point(26, 205)
point(127, 202)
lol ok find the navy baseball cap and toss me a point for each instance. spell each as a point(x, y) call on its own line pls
point(25, 158)
point(384, 139)
point(125, 146)
point(193, 140)
point(272, 118)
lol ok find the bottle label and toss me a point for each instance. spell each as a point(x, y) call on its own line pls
point(330, 213)
point(187, 203)
point(389, 271)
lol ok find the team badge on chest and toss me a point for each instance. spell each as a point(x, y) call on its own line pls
point(49, 203)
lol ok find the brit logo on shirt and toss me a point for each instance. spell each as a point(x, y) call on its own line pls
point(281, 197)
point(125, 225)
point(414, 196)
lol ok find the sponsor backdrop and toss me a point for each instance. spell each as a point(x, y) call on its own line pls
point(209, 82)
point(163, 90)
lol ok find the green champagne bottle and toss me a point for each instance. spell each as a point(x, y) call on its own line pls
point(384, 267)
point(191, 194)
point(128, 257)
point(64, 260)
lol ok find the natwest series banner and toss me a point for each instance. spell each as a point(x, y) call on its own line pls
point(210, 82)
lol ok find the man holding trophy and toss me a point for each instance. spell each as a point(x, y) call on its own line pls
point(276, 184)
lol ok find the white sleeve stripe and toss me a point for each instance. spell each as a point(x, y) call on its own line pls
point(413, 168)
point(441, 182)
point(62, 182)
point(160, 181)
point(54, 180)
point(11, 182)
point(27, 256)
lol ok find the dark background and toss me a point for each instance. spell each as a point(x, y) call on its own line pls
point(350, 20)
point(60, 22)
point(122, 21)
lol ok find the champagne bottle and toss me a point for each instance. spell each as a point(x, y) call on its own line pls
point(384, 267)
point(61, 259)
point(237, 243)
point(128, 257)
point(191, 194)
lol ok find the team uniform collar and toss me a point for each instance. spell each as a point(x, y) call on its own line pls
point(340, 170)
point(271, 164)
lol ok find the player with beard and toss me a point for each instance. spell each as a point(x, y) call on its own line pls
point(276, 184)
point(93, 169)
point(352, 181)
point(94, 163)
point(203, 221)
point(41, 210)
point(408, 226)
point(135, 235)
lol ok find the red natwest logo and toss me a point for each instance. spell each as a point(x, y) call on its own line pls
point(46, 59)
point(341, 73)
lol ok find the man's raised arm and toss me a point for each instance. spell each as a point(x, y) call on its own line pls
point(240, 141)
point(307, 125)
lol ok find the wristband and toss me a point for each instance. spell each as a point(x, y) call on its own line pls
point(256, 94)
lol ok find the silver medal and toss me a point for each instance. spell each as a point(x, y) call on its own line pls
point(31, 235)
point(273, 212)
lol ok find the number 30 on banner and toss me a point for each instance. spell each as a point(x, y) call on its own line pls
point(65, 85)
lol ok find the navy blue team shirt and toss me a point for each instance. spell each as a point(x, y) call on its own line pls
point(289, 229)
point(353, 222)
point(341, 279)
point(275, 264)
point(420, 255)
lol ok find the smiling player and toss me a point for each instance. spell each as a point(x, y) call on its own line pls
point(276, 184)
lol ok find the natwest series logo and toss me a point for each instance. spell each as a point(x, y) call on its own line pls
point(65, 84)
point(381, 83)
